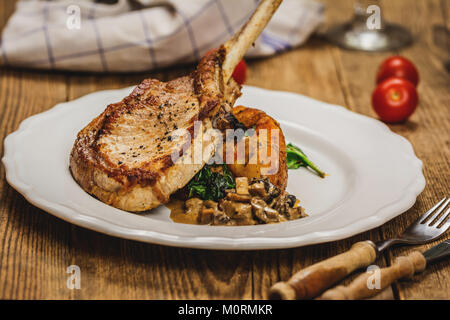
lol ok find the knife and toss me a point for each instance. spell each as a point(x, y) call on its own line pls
point(371, 283)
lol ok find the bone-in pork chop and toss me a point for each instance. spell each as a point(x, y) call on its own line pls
point(124, 156)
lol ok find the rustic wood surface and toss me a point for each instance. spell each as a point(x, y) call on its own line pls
point(36, 248)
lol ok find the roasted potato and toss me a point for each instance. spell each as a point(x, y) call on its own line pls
point(259, 159)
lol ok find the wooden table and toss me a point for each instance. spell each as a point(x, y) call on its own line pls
point(36, 248)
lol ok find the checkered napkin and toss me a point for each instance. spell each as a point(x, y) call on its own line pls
point(87, 36)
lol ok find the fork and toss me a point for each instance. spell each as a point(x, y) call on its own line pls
point(313, 280)
point(421, 231)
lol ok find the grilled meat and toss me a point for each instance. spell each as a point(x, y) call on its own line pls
point(124, 156)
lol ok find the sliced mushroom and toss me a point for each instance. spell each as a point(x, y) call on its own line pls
point(257, 190)
point(263, 212)
point(258, 209)
point(239, 197)
point(291, 200)
point(280, 203)
point(193, 207)
point(271, 214)
point(206, 216)
point(221, 218)
point(271, 191)
point(295, 213)
point(244, 213)
point(228, 208)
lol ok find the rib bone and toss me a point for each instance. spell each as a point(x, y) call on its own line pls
point(238, 45)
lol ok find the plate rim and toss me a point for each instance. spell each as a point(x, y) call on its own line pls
point(379, 217)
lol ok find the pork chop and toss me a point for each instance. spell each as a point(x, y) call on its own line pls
point(123, 157)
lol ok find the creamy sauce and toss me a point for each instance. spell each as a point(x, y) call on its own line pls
point(178, 214)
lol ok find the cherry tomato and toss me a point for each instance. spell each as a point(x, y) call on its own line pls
point(240, 72)
point(394, 99)
point(397, 66)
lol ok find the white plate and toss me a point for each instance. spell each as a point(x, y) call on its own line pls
point(373, 175)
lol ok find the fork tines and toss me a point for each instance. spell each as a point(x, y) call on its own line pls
point(432, 215)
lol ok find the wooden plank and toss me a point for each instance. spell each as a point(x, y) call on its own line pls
point(113, 268)
point(27, 245)
point(31, 241)
point(308, 70)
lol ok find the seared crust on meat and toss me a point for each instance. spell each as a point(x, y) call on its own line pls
point(257, 119)
point(123, 157)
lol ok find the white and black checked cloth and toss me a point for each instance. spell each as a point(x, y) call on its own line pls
point(116, 38)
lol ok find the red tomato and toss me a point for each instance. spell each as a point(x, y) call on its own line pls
point(397, 66)
point(394, 99)
point(239, 73)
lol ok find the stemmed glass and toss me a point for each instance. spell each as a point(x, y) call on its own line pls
point(359, 34)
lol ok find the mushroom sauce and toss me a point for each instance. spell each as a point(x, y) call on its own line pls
point(252, 202)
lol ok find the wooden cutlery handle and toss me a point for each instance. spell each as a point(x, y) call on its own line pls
point(310, 282)
point(402, 267)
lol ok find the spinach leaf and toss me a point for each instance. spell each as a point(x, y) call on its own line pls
point(211, 185)
point(296, 158)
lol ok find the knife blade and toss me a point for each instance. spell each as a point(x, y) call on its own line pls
point(439, 251)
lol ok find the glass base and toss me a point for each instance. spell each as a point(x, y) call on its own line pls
point(356, 36)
